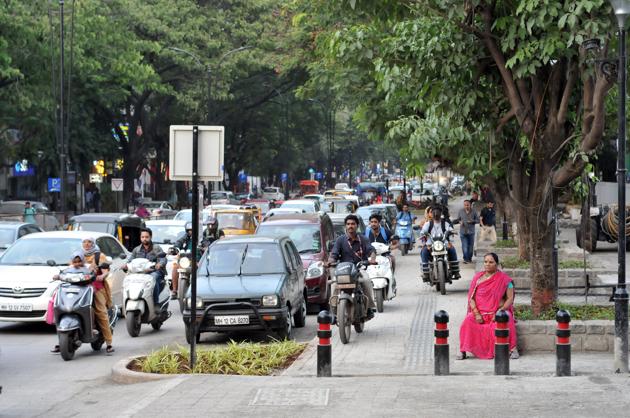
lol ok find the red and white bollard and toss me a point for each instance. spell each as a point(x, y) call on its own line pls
point(440, 351)
point(324, 349)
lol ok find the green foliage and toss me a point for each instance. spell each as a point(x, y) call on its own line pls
point(578, 312)
point(247, 359)
point(509, 243)
point(514, 262)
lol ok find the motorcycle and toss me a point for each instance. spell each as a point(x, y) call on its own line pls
point(138, 305)
point(184, 269)
point(382, 276)
point(352, 304)
point(404, 232)
point(74, 314)
point(440, 269)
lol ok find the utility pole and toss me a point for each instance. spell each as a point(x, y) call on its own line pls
point(62, 145)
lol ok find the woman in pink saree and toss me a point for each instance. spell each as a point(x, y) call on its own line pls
point(490, 291)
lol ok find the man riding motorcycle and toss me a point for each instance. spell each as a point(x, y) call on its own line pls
point(182, 244)
point(211, 233)
point(154, 254)
point(438, 226)
point(353, 248)
point(378, 233)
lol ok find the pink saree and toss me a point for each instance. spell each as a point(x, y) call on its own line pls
point(476, 338)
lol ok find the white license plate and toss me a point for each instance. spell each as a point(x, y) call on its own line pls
point(231, 320)
point(16, 307)
point(346, 286)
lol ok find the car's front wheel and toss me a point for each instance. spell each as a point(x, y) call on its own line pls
point(299, 318)
point(286, 332)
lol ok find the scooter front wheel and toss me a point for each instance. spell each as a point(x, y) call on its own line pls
point(379, 294)
point(404, 248)
point(133, 321)
point(66, 346)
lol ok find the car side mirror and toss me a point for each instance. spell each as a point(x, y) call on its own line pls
point(167, 241)
point(51, 263)
point(122, 256)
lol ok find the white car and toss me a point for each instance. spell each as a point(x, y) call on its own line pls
point(282, 211)
point(222, 197)
point(309, 205)
point(27, 268)
point(272, 193)
point(322, 201)
point(160, 208)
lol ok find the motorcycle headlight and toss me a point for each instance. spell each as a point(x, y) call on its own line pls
point(315, 270)
point(270, 300)
point(199, 303)
point(438, 246)
point(184, 262)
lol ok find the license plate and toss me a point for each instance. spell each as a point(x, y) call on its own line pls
point(231, 320)
point(16, 307)
point(346, 286)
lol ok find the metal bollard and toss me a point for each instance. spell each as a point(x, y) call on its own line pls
point(563, 343)
point(324, 349)
point(441, 367)
point(502, 344)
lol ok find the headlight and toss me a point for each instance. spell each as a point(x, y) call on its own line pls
point(199, 303)
point(270, 300)
point(344, 279)
point(315, 270)
point(184, 262)
point(438, 246)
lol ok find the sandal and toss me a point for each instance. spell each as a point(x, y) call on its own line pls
point(56, 349)
point(461, 356)
point(109, 349)
point(514, 354)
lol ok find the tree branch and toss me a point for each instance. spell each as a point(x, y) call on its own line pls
point(568, 89)
point(504, 120)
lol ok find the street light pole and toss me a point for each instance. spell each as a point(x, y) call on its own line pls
point(622, 10)
point(62, 145)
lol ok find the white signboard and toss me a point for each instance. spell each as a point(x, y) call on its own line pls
point(96, 178)
point(117, 185)
point(211, 148)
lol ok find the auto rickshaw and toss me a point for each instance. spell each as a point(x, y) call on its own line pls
point(309, 187)
point(237, 221)
point(123, 226)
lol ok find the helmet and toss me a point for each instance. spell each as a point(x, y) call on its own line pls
point(189, 226)
point(210, 221)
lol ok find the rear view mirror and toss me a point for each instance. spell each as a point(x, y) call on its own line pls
point(122, 256)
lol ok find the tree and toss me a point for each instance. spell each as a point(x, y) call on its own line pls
point(440, 76)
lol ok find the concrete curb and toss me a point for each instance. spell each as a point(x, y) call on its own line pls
point(302, 360)
point(121, 374)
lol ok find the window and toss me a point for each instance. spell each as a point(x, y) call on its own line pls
point(109, 247)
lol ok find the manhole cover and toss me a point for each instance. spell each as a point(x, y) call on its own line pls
point(291, 397)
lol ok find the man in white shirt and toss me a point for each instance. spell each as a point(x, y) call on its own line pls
point(436, 228)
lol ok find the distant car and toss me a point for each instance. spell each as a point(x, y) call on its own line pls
point(223, 197)
point(366, 211)
point(342, 186)
point(160, 208)
point(214, 208)
point(249, 283)
point(309, 205)
point(339, 226)
point(26, 272)
point(321, 199)
point(313, 235)
point(272, 193)
point(282, 211)
point(12, 231)
point(237, 221)
point(13, 210)
point(165, 233)
point(186, 215)
point(263, 204)
point(391, 211)
point(243, 197)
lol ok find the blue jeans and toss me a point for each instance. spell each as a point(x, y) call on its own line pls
point(425, 254)
point(468, 243)
point(158, 276)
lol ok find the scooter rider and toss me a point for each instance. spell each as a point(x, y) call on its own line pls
point(378, 233)
point(182, 244)
point(151, 252)
point(353, 248)
point(436, 227)
point(405, 215)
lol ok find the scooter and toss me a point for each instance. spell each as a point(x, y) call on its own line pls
point(349, 298)
point(74, 314)
point(382, 276)
point(138, 305)
point(404, 232)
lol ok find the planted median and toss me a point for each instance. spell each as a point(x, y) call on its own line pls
point(247, 359)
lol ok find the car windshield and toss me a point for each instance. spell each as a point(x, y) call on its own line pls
point(186, 215)
point(219, 195)
point(152, 205)
point(308, 207)
point(365, 213)
point(229, 220)
point(270, 190)
point(6, 237)
point(105, 227)
point(37, 251)
point(306, 237)
point(245, 259)
point(161, 233)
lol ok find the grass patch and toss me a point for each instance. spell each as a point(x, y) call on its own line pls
point(578, 312)
point(247, 359)
point(514, 262)
point(509, 243)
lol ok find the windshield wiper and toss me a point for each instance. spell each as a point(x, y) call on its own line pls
point(308, 250)
point(240, 267)
point(32, 264)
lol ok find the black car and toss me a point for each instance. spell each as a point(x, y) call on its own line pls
point(249, 283)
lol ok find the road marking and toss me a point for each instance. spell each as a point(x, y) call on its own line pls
point(291, 397)
point(152, 396)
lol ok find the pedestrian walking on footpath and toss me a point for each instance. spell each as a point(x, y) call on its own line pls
point(487, 224)
point(467, 218)
point(490, 291)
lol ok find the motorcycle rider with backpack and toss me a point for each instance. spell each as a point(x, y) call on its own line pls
point(438, 226)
